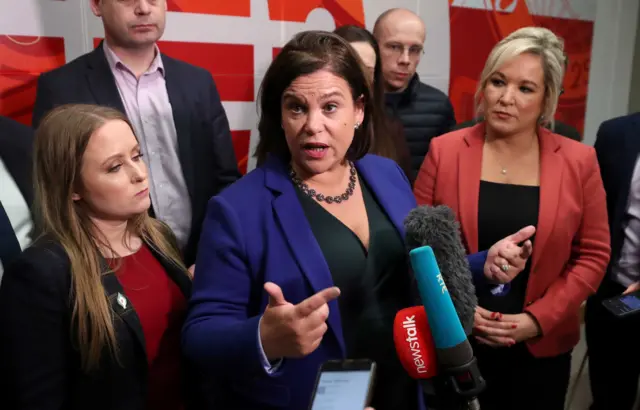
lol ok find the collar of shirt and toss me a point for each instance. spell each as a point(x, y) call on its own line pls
point(115, 62)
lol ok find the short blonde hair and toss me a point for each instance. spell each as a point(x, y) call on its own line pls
point(534, 40)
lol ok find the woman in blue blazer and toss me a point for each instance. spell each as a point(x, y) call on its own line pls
point(303, 260)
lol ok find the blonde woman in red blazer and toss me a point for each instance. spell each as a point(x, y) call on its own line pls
point(509, 171)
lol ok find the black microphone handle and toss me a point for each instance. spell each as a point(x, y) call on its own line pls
point(459, 382)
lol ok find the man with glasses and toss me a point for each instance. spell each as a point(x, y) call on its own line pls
point(424, 111)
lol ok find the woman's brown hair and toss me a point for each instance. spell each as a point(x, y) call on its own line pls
point(307, 53)
point(383, 143)
point(59, 147)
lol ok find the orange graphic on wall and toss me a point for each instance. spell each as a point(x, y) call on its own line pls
point(241, 139)
point(484, 28)
point(343, 11)
point(22, 60)
point(239, 8)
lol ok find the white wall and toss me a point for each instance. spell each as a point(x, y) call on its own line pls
point(634, 91)
point(614, 40)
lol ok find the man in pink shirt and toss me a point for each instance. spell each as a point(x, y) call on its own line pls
point(174, 107)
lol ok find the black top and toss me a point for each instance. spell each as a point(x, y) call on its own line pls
point(374, 285)
point(502, 210)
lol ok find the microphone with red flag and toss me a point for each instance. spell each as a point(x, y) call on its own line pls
point(414, 343)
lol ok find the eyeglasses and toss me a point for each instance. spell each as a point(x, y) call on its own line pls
point(397, 50)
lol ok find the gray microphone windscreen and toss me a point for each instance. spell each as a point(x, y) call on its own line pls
point(437, 227)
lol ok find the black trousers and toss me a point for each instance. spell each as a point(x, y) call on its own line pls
point(612, 343)
point(518, 380)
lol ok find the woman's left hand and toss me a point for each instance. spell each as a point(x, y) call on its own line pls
point(496, 330)
point(490, 331)
point(526, 328)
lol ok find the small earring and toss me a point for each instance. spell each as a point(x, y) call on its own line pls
point(355, 127)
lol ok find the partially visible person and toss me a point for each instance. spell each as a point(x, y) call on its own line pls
point(612, 343)
point(16, 190)
point(303, 260)
point(508, 172)
point(424, 111)
point(91, 312)
point(174, 107)
point(388, 134)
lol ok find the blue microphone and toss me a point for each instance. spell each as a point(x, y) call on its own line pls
point(448, 296)
point(445, 325)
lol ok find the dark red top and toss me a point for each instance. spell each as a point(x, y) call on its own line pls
point(161, 308)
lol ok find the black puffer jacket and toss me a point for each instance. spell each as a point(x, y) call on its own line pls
point(425, 113)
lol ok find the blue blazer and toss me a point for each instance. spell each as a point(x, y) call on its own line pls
point(256, 231)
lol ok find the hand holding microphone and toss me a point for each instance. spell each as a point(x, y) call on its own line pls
point(506, 258)
point(288, 330)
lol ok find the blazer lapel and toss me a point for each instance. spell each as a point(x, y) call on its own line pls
point(300, 238)
point(176, 274)
point(101, 81)
point(382, 191)
point(121, 305)
point(181, 119)
point(469, 170)
point(551, 170)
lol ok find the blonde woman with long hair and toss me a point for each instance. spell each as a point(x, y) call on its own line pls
point(91, 313)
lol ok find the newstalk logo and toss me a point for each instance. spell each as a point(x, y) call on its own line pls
point(409, 325)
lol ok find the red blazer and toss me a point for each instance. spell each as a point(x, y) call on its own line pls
point(571, 249)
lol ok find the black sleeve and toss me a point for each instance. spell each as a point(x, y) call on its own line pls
point(44, 100)
point(223, 158)
point(450, 118)
point(34, 340)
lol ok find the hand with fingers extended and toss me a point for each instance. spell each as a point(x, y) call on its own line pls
point(508, 257)
point(496, 330)
point(288, 330)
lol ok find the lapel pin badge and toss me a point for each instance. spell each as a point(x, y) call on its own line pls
point(122, 301)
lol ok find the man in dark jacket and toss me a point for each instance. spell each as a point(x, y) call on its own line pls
point(16, 192)
point(174, 107)
point(612, 342)
point(425, 112)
